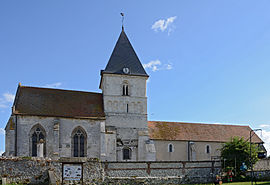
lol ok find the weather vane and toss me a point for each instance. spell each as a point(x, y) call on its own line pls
point(122, 14)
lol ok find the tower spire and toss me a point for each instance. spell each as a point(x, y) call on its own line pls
point(122, 14)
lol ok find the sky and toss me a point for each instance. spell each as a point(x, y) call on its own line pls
point(208, 61)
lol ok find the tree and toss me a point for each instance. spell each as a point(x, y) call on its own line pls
point(237, 151)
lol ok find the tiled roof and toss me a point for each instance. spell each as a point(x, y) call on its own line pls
point(197, 131)
point(59, 103)
point(124, 56)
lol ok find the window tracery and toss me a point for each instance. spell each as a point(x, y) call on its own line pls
point(79, 143)
point(37, 136)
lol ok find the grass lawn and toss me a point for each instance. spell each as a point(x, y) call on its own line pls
point(243, 183)
point(246, 183)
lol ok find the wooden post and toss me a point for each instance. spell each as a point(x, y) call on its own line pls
point(148, 168)
point(183, 169)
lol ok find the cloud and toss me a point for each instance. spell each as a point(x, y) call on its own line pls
point(168, 66)
point(264, 126)
point(6, 99)
point(156, 65)
point(2, 131)
point(163, 24)
point(266, 138)
point(153, 65)
point(9, 97)
point(54, 85)
point(1, 152)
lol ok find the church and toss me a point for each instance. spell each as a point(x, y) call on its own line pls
point(110, 126)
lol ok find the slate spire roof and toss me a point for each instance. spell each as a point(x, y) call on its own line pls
point(124, 56)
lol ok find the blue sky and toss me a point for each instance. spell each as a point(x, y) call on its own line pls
point(208, 60)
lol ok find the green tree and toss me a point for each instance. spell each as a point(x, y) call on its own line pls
point(237, 151)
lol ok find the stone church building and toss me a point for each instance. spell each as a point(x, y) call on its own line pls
point(111, 125)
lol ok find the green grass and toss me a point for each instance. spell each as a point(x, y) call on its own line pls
point(247, 183)
point(240, 183)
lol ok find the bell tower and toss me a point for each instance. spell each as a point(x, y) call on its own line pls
point(123, 84)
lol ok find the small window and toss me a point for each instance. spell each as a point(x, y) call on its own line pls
point(126, 154)
point(207, 149)
point(125, 90)
point(170, 148)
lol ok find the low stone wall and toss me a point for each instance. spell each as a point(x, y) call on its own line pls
point(26, 170)
point(169, 172)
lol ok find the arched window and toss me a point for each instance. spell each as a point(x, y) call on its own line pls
point(37, 134)
point(170, 147)
point(125, 89)
point(126, 154)
point(207, 150)
point(79, 143)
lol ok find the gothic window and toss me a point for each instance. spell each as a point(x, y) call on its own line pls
point(37, 135)
point(126, 154)
point(170, 148)
point(207, 149)
point(79, 143)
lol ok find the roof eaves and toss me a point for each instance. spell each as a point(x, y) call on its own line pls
point(75, 117)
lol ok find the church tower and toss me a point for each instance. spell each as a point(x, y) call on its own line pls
point(123, 84)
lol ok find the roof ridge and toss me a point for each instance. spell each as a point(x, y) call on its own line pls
point(59, 89)
point(198, 123)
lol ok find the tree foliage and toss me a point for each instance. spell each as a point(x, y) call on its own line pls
point(237, 151)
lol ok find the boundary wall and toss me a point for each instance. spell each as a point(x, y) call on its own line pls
point(27, 170)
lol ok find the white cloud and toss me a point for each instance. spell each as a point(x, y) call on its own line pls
point(168, 66)
point(264, 126)
point(54, 85)
point(156, 65)
point(9, 97)
point(2, 131)
point(1, 152)
point(164, 24)
point(6, 99)
point(266, 139)
point(153, 65)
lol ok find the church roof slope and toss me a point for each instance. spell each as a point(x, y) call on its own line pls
point(59, 103)
point(124, 56)
point(198, 132)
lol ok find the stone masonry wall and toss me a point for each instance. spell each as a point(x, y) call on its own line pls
point(58, 133)
point(35, 171)
point(27, 170)
point(169, 172)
